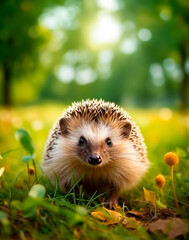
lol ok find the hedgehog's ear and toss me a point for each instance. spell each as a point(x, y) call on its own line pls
point(64, 126)
point(126, 129)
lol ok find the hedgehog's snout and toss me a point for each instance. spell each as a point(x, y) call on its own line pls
point(95, 159)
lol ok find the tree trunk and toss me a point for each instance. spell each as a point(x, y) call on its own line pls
point(184, 83)
point(6, 85)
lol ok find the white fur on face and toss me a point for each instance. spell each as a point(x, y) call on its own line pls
point(95, 133)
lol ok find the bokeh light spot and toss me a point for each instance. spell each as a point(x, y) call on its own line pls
point(157, 75)
point(111, 5)
point(129, 45)
point(107, 30)
point(186, 66)
point(105, 56)
point(165, 13)
point(37, 125)
point(144, 34)
point(165, 114)
point(173, 70)
point(85, 75)
point(65, 73)
point(60, 17)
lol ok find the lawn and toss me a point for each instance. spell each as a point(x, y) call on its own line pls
point(42, 212)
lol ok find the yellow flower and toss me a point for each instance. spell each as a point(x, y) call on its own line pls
point(160, 180)
point(171, 159)
point(31, 171)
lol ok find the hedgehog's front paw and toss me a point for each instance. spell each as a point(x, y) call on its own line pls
point(112, 201)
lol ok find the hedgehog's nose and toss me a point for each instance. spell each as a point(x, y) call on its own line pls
point(94, 159)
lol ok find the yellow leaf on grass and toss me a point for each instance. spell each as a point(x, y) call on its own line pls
point(160, 204)
point(2, 171)
point(173, 227)
point(1, 157)
point(107, 216)
point(149, 196)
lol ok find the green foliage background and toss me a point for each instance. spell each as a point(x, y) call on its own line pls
point(36, 39)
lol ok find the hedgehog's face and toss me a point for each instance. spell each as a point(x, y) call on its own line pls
point(94, 143)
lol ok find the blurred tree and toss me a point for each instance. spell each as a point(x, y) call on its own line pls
point(19, 39)
point(174, 40)
point(184, 50)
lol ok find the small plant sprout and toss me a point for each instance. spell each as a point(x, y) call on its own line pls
point(172, 159)
point(26, 141)
point(160, 181)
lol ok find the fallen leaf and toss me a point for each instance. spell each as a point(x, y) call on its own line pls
point(77, 232)
point(37, 191)
point(172, 227)
point(130, 223)
point(135, 214)
point(160, 204)
point(149, 196)
point(118, 209)
point(2, 171)
point(109, 217)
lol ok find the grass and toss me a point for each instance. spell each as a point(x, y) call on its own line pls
point(48, 214)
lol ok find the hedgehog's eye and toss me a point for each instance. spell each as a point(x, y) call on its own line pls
point(82, 140)
point(108, 142)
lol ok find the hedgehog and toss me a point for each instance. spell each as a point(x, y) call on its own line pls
point(99, 145)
